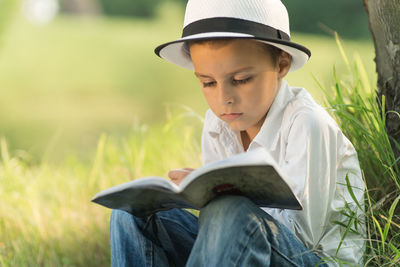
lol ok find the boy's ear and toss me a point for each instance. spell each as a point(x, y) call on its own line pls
point(284, 63)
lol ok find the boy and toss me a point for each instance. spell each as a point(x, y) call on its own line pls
point(240, 51)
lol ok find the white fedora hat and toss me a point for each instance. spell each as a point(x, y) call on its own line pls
point(266, 21)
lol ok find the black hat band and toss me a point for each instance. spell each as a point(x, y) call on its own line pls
point(225, 24)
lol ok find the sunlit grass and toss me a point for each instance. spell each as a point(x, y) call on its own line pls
point(360, 115)
point(46, 217)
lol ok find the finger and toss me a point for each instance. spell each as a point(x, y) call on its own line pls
point(175, 179)
point(177, 174)
point(175, 182)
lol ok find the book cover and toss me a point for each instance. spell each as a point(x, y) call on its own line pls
point(252, 174)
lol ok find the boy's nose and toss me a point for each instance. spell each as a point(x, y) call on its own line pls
point(226, 95)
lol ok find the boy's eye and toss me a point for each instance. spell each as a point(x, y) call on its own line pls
point(208, 84)
point(242, 81)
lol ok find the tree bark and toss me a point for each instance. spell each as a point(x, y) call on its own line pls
point(384, 24)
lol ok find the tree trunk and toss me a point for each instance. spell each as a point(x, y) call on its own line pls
point(384, 24)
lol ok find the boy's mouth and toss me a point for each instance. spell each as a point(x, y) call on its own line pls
point(231, 116)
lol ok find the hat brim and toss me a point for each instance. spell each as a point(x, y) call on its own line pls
point(176, 53)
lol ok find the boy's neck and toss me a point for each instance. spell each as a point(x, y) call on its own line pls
point(245, 140)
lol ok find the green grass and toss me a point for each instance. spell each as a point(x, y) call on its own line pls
point(354, 104)
point(46, 217)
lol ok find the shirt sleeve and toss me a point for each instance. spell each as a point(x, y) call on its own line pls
point(310, 162)
point(318, 157)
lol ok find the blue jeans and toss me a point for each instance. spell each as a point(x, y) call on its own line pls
point(230, 231)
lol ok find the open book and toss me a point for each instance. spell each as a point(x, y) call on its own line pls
point(253, 174)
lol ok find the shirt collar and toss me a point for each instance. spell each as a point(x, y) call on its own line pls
point(268, 134)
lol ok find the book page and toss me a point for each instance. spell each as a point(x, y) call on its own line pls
point(252, 158)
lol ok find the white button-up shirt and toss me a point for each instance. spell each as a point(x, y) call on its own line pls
point(316, 156)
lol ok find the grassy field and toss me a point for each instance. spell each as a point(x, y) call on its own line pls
point(84, 104)
point(46, 217)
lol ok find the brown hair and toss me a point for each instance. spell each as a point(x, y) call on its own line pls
point(272, 51)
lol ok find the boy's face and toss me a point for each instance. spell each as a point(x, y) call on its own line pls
point(239, 80)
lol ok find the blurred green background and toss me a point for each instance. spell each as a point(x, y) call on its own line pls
point(73, 69)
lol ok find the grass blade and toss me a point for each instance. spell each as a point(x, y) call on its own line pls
point(389, 221)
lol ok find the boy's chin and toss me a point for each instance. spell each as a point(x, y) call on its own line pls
point(236, 127)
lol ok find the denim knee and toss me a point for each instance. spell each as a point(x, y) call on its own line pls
point(124, 221)
point(226, 208)
point(119, 217)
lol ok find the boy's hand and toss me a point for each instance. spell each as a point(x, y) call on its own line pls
point(177, 175)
